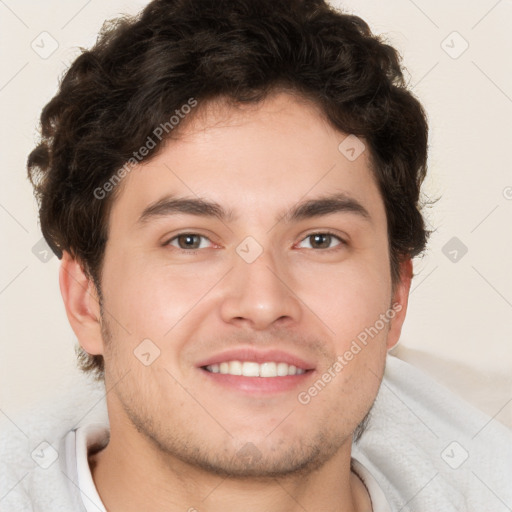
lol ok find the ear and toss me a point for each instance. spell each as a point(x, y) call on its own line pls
point(399, 303)
point(82, 305)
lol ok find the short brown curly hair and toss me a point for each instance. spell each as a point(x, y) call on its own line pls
point(143, 68)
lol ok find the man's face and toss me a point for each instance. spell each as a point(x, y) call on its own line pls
point(259, 285)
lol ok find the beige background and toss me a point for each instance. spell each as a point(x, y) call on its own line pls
point(459, 326)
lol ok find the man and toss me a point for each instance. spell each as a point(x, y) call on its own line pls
point(233, 189)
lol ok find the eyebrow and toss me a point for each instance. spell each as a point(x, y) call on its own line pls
point(325, 205)
point(336, 203)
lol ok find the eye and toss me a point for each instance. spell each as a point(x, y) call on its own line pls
point(188, 241)
point(322, 241)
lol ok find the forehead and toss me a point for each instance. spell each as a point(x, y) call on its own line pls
point(254, 160)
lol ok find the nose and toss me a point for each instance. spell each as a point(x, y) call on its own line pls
point(259, 294)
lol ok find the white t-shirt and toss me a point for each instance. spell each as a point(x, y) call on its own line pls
point(81, 441)
point(78, 444)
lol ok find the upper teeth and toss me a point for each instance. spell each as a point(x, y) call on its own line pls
point(252, 369)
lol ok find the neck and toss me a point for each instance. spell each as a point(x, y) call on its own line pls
point(132, 475)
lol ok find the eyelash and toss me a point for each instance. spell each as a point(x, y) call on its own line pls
point(341, 244)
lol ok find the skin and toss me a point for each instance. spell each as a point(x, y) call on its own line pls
point(176, 434)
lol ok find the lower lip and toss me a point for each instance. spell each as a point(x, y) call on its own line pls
point(258, 384)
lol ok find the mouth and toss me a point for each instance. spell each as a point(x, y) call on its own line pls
point(269, 369)
point(251, 371)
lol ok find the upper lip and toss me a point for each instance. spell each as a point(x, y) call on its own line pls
point(257, 356)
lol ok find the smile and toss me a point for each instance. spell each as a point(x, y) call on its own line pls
point(254, 369)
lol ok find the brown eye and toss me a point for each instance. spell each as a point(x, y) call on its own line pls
point(188, 241)
point(322, 241)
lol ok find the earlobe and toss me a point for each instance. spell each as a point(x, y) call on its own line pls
point(399, 303)
point(82, 304)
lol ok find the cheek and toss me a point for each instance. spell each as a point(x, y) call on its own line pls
point(149, 298)
point(347, 298)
